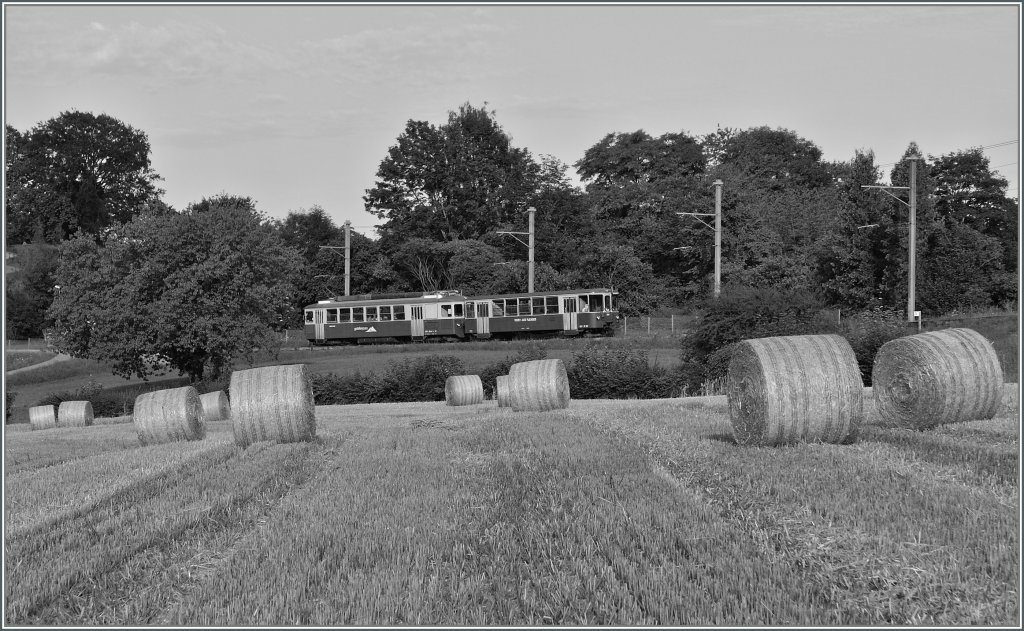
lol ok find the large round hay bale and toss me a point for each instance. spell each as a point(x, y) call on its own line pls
point(74, 414)
point(803, 388)
point(42, 417)
point(501, 390)
point(921, 381)
point(538, 385)
point(273, 403)
point(170, 415)
point(463, 390)
point(215, 406)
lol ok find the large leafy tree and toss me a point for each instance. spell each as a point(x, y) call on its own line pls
point(29, 289)
point(969, 193)
point(77, 171)
point(199, 288)
point(635, 183)
point(457, 181)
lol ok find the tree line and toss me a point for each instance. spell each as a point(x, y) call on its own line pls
point(99, 253)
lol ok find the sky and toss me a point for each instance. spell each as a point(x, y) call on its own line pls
point(295, 106)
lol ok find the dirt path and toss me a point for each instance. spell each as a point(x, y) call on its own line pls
point(48, 362)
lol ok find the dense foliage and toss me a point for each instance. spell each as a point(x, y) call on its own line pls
point(445, 193)
point(195, 289)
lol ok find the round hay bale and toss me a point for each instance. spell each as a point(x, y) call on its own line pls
point(925, 380)
point(170, 415)
point(463, 390)
point(802, 388)
point(502, 392)
point(74, 414)
point(42, 417)
point(273, 403)
point(538, 385)
point(215, 406)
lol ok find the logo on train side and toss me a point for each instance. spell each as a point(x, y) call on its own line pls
point(366, 329)
point(525, 320)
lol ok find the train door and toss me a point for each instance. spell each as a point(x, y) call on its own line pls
point(416, 319)
point(569, 317)
point(318, 323)
point(483, 318)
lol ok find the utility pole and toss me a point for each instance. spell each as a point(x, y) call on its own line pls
point(529, 281)
point(348, 256)
point(912, 237)
point(911, 313)
point(718, 234)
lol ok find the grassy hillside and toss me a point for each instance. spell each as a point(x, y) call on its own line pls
point(610, 512)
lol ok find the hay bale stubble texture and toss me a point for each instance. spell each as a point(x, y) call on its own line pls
point(538, 385)
point(215, 406)
point(42, 417)
point(272, 403)
point(74, 414)
point(501, 391)
point(925, 380)
point(165, 416)
point(463, 390)
point(803, 388)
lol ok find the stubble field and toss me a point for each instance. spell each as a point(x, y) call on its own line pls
point(609, 512)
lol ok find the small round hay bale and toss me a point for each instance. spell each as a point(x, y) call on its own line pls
point(215, 406)
point(272, 403)
point(463, 390)
point(74, 414)
point(42, 417)
point(802, 388)
point(925, 380)
point(170, 415)
point(538, 385)
point(502, 392)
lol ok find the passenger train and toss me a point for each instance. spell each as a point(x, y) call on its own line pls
point(449, 315)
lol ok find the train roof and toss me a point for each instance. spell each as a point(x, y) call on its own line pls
point(555, 292)
point(409, 298)
point(414, 298)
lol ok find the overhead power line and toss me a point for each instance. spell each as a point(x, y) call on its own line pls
point(993, 146)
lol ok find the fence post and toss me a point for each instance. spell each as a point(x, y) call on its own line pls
point(672, 323)
point(625, 326)
point(648, 325)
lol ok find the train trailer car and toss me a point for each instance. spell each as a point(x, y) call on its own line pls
point(566, 312)
point(411, 317)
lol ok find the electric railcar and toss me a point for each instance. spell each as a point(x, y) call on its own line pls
point(417, 317)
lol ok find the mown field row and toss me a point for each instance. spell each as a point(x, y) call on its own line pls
point(610, 512)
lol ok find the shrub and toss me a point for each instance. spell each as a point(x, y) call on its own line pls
point(413, 379)
point(489, 376)
point(8, 406)
point(868, 331)
point(619, 373)
point(742, 313)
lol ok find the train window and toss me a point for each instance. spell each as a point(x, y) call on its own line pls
point(357, 314)
point(458, 309)
point(524, 306)
point(483, 309)
point(416, 313)
point(371, 314)
point(446, 311)
point(510, 307)
point(385, 314)
point(583, 304)
point(309, 316)
point(570, 305)
point(499, 308)
point(551, 304)
point(399, 312)
point(332, 315)
point(607, 302)
point(538, 305)
point(470, 309)
point(345, 314)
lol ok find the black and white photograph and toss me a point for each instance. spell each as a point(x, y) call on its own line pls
point(511, 314)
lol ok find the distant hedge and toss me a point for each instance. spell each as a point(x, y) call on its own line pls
point(414, 379)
